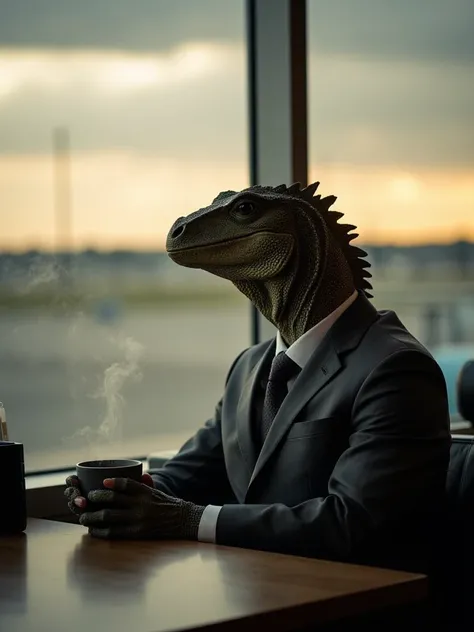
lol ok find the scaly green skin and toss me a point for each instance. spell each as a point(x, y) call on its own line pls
point(282, 247)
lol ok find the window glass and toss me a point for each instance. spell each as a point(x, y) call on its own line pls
point(391, 134)
point(116, 118)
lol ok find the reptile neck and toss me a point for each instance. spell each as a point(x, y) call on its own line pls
point(316, 281)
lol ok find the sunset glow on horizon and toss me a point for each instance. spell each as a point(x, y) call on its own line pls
point(126, 201)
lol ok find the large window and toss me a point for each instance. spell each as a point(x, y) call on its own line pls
point(116, 118)
point(392, 135)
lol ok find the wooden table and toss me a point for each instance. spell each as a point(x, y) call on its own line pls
point(57, 578)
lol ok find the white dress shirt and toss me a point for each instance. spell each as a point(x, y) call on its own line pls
point(300, 352)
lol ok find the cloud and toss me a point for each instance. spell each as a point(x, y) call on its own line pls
point(434, 30)
point(189, 102)
point(142, 25)
point(389, 83)
point(365, 111)
point(192, 103)
point(427, 29)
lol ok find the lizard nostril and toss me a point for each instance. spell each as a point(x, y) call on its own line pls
point(178, 231)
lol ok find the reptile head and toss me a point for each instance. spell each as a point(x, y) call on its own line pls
point(240, 236)
point(278, 245)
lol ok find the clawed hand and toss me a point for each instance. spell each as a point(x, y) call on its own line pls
point(132, 510)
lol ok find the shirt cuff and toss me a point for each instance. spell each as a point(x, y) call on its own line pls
point(208, 524)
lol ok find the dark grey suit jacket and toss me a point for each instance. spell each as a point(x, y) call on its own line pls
point(354, 465)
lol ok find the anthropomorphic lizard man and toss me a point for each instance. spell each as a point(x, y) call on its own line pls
point(332, 439)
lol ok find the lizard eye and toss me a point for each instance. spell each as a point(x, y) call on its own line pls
point(244, 211)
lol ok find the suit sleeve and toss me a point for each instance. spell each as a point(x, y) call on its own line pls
point(393, 470)
point(197, 473)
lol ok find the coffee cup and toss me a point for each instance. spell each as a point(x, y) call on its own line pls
point(91, 474)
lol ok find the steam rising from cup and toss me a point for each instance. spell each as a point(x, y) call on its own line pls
point(111, 391)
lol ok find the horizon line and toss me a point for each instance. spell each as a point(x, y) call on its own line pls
point(158, 250)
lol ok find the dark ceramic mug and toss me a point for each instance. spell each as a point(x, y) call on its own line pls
point(91, 474)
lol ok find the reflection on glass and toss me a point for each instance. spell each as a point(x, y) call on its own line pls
point(114, 121)
point(391, 134)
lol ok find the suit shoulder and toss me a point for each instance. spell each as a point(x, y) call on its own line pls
point(389, 338)
point(249, 357)
point(253, 354)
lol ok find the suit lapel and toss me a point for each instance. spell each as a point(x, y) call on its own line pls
point(322, 367)
point(246, 422)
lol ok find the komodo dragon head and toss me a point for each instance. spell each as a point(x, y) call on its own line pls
point(281, 246)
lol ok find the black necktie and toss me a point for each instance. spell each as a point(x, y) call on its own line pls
point(282, 370)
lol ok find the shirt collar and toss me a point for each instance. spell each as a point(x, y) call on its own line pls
point(303, 348)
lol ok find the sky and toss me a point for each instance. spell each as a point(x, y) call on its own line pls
point(153, 95)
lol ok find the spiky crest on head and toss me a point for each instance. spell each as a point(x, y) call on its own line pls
point(342, 233)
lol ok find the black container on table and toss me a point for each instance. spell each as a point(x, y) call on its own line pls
point(12, 488)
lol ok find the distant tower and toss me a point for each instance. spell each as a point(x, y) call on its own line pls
point(63, 200)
